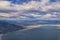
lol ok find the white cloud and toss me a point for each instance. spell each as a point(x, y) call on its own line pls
point(31, 5)
point(4, 3)
point(43, 6)
point(6, 6)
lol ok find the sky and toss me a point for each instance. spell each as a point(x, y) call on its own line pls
point(29, 9)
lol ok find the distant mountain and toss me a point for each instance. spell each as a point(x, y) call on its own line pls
point(7, 27)
point(13, 25)
point(32, 22)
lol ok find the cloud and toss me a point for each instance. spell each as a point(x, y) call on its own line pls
point(4, 3)
point(16, 11)
point(6, 6)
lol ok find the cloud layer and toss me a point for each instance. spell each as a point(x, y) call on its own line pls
point(32, 10)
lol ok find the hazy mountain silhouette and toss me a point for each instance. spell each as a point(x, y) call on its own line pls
point(7, 27)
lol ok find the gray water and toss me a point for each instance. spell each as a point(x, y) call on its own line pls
point(40, 33)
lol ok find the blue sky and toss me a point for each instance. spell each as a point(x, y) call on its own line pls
point(19, 1)
point(22, 1)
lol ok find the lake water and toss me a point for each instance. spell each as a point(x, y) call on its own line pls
point(44, 32)
point(33, 30)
